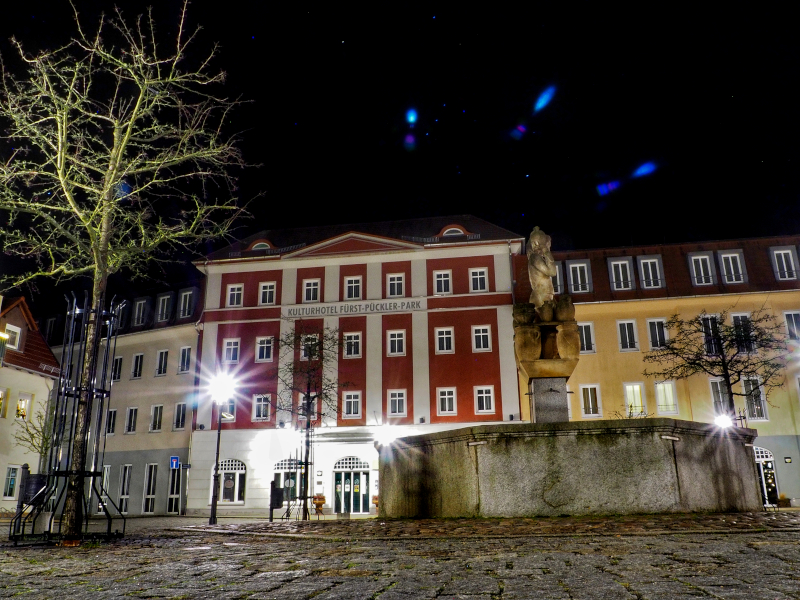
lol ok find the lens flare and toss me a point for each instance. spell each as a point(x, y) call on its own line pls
point(606, 188)
point(409, 142)
point(723, 421)
point(645, 169)
point(411, 116)
point(544, 98)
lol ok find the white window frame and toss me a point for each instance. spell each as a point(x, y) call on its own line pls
point(163, 309)
point(228, 406)
point(648, 264)
point(396, 335)
point(265, 342)
point(477, 275)
point(584, 414)
point(262, 401)
point(448, 393)
point(125, 474)
point(399, 280)
point(630, 386)
point(478, 334)
point(139, 310)
point(138, 361)
point(726, 265)
point(131, 418)
point(149, 488)
point(352, 285)
point(185, 305)
point(270, 288)
point(234, 296)
point(718, 395)
point(351, 399)
point(351, 344)
point(162, 360)
point(480, 390)
point(582, 328)
point(621, 273)
point(650, 340)
point(399, 396)
point(116, 369)
point(662, 408)
point(633, 329)
point(111, 421)
point(557, 279)
point(784, 272)
point(24, 406)
point(231, 351)
point(762, 399)
point(156, 418)
point(17, 469)
point(180, 407)
point(185, 363)
point(443, 336)
point(792, 319)
point(575, 268)
point(445, 277)
point(311, 290)
point(699, 278)
point(17, 336)
point(309, 341)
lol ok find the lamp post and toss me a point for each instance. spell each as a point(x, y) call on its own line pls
point(221, 389)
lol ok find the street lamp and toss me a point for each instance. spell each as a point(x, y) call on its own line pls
point(221, 389)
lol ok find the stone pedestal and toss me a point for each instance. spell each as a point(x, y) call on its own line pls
point(549, 400)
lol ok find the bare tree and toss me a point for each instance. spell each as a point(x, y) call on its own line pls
point(307, 373)
point(114, 154)
point(748, 350)
point(35, 433)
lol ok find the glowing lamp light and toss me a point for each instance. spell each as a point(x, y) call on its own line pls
point(386, 435)
point(411, 116)
point(723, 421)
point(221, 387)
point(409, 142)
point(606, 188)
point(645, 169)
point(544, 98)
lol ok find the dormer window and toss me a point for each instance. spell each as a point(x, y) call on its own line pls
point(139, 312)
point(14, 336)
point(260, 246)
point(163, 308)
point(452, 231)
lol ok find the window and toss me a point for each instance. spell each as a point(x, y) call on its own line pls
point(444, 340)
point(395, 285)
point(305, 409)
point(49, 329)
point(311, 290)
point(149, 500)
point(14, 334)
point(266, 293)
point(174, 497)
point(579, 277)
point(163, 309)
point(396, 343)
point(481, 338)
point(116, 369)
point(352, 345)
point(744, 333)
point(731, 268)
point(447, 401)
point(138, 363)
point(590, 397)
point(621, 275)
point(711, 338)
point(484, 399)
point(478, 280)
point(586, 333)
point(156, 414)
point(627, 336)
point(235, 293)
point(186, 305)
point(139, 312)
point(634, 399)
point(130, 419)
point(105, 482)
point(230, 351)
point(179, 422)
point(557, 286)
point(756, 406)
point(124, 487)
point(309, 347)
point(666, 400)
point(264, 349)
point(397, 403)
point(352, 288)
point(441, 282)
point(232, 478)
point(656, 329)
point(186, 359)
point(10, 487)
point(650, 273)
point(261, 404)
point(111, 421)
point(161, 360)
point(24, 403)
point(351, 405)
point(720, 396)
point(701, 270)
point(793, 325)
point(784, 263)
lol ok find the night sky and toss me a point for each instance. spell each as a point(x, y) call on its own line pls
point(710, 98)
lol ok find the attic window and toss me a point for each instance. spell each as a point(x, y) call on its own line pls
point(261, 245)
point(453, 231)
point(13, 334)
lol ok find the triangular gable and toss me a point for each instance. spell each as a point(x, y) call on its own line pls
point(353, 243)
point(26, 312)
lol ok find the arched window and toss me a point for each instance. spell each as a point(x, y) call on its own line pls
point(453, 231)
point(351, 463)
point(260, 246)
point(232, 477)
point(765, 463)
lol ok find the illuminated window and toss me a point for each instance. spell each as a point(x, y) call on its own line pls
point(666, 400)
point(634, 399)
point(14, 335)
point(24, 404)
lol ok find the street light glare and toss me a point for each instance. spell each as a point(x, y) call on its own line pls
point(723, 421)
point(221, 387)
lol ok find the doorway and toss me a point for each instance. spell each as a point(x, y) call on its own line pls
point(351, 486)
point(765, 463)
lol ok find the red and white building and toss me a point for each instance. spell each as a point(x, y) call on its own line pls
point(425, 310)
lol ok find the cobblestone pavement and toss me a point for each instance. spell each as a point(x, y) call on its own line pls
point(651, 557)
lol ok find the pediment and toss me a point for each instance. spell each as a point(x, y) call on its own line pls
point(354, 243)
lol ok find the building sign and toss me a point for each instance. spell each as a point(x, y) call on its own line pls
point(347, 309)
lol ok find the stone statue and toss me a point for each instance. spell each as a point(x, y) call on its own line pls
point(541, 268)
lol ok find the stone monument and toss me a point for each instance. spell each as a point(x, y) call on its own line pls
point(546, 340)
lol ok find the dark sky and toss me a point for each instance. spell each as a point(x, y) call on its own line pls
point(710, 97)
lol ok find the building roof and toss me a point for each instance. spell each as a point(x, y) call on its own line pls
point(430, 230)
point(37, 356)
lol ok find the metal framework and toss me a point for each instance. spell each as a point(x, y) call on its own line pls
point(39, 515)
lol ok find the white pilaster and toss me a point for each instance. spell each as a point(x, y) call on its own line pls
point(508, 364)
point(331, 293)
point(419, 333)
point(419, 278)
point(285, 357)
point(374, 282)
point(289, 286)
point(208, 367)
point(374, 347)
point(502, 272)
point(213, 290)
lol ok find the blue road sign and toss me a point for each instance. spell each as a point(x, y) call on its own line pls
point(174, 462)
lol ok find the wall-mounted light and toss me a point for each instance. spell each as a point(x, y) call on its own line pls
point(319, 473)
point(787, 459)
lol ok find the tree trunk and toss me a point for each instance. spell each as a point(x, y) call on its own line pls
point(306, 466)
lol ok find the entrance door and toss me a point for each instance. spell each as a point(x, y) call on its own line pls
point(351, 489)
point(766, 476)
